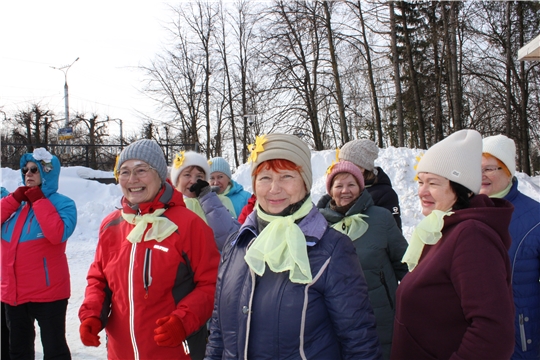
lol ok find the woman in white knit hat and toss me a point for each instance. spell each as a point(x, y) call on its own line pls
point(378, 241)
point(498, 181)
point(220, 176)
point(189, 175)
point(289, 286)
point(152, 282)
point(363, 153)
point(456, 301)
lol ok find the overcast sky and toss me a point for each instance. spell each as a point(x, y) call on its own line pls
point(110, 38)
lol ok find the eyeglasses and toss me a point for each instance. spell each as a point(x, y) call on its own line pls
point(33, 170)
point(140, 172)
point(489, 170)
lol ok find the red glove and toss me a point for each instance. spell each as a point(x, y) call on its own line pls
point(19, 194)
point(34, 194)
point(89, 330)
point(170, 332)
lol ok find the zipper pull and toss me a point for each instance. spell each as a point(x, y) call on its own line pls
point(186, 347)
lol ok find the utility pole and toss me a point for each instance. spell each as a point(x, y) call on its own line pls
point(65, 70)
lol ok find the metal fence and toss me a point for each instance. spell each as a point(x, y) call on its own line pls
point(99, 157)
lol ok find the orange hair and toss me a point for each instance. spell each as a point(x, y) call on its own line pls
point(276, 165)
point(499, 163)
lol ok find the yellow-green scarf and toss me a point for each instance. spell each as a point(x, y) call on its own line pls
point(161, 226)
point(226, 201)
point(282, 245)
point(353, 226)
point(428, 231)
point(194, 205)
point(502, 193)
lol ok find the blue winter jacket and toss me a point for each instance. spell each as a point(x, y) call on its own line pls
point(239, 197)
point(269, 317)
point(34, 236)
point(525, 259)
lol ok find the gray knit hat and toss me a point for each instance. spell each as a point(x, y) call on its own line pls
point(148, 151)
point(361, 152)
point(283, 146)
point(457, 158)
point(221, 165)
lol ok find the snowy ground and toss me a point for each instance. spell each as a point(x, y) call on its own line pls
point(95, 200)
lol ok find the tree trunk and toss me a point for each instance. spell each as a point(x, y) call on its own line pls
point(333, 59)
point(375, 102)
point(414, 82)
point(397, 76)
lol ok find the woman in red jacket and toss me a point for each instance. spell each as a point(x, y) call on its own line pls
point(152, 282)
point(456, 302)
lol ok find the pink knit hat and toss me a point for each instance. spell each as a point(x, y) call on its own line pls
point(344, 167)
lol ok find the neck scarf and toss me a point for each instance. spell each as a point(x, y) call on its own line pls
point(353, 226)
point(194, 205)
point(226, 201)
point(502, 193)
point(281, 245)
point(161, 226)
point(428, 231)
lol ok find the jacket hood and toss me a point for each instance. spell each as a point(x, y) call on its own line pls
point(495, 213)
point(382, 178)
point(235, 188)
point(49, 179)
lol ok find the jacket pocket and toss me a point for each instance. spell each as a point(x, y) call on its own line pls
point(147, 270)
point(46, 270)
point(383, 282)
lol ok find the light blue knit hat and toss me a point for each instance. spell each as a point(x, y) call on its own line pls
point(221, 165)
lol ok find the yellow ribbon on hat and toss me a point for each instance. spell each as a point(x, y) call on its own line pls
point(281, 245)
point(116, 170)
point(161, 226)
point(353, 226)
point(334, 162)
point(427, 232)
point(179, 159)
point(256, 148)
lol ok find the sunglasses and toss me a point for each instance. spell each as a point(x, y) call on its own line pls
point(33, 170)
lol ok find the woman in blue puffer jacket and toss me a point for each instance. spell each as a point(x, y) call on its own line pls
point(498, 181)
point(289, 286)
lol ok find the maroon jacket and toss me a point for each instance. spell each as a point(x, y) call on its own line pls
point(457, 303)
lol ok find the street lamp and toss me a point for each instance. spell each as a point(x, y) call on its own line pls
point(65, 69)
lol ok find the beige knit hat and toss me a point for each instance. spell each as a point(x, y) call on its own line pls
point(361, 152)
point(282, 146)
point(503, 148)
point(185, 159)
point(457, 158)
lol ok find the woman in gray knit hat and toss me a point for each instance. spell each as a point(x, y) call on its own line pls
point(152, 282)
point(289, 287)
point(363, 153)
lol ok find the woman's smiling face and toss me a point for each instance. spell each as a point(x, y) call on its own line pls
point(435, 193)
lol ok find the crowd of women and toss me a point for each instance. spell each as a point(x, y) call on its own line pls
point(193, 266)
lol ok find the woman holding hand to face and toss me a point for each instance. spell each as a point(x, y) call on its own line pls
point(190, 175)
point(456, 302)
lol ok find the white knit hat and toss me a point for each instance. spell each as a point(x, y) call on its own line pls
point(503, 148)
point(457, 158)
point(185, 159)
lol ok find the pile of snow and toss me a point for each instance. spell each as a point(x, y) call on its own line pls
point(96, 200)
